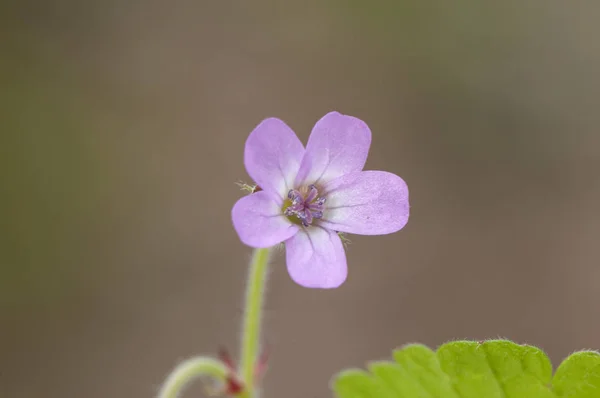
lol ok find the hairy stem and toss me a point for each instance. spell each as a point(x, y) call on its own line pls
point(194, 368)
point(189, 370)
point(255, 289)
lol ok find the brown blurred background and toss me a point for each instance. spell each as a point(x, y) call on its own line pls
point(122, 131)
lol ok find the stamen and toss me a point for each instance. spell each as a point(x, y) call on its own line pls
point(312, 194)
point(308, 217)
point(306, 209)
point(295, 197)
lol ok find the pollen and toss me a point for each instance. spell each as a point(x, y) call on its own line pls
point(303, 209)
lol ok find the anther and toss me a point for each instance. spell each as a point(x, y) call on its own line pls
point(306, 209)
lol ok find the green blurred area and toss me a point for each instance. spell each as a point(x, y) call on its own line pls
point(488, 72)
point(49, 178)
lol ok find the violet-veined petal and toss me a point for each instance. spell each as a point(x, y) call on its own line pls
point(366, 203)
point(338, 145)
point(259, 222)
point(272, 156)
point(315, 258)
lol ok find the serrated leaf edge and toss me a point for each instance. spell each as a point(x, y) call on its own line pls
point(346, 372)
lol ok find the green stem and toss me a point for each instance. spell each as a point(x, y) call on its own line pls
point(252, 317)
point(193, 368)
point(190, 370)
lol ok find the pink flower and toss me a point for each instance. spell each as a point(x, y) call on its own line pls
point(309, 195)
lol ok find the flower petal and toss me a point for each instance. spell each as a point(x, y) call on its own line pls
point(315, 258)
point(259, 222)
point(338, 145)
point(272, 156)
point(366, 203)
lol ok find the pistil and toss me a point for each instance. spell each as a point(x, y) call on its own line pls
point(305, 208)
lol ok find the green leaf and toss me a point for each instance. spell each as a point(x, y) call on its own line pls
point(496, 369)
point(468, 369)
point(421, 366)
point(578, 376)
point(355, 383)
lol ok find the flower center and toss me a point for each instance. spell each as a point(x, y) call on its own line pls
point(303, 209)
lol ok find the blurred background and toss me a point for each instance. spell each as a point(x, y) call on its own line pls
point(121, 137)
